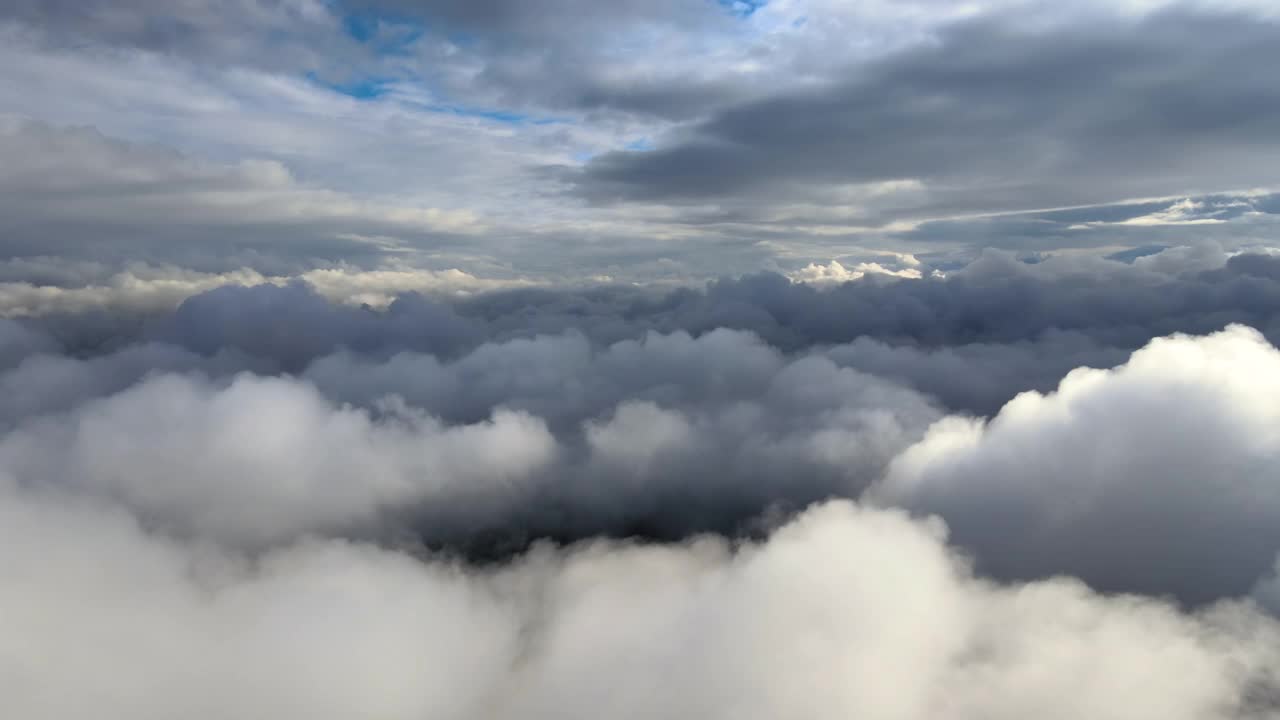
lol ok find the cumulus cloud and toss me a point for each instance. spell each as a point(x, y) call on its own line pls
point(834, 273)
point(663, 437)
point(497, 503)
point(110, 620)
point(1156, 477)
point(265, 459)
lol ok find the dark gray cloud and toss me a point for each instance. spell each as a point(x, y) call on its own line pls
point(996, 116)
point(979, 377)
point(995, 299)
point(238, 33)
point(558, 18)
point(293, 324)
point(974, 338)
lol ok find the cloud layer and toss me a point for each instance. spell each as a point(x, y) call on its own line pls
point(762, 498)
point(669, 139)
point(762, 359)
point(812, 622)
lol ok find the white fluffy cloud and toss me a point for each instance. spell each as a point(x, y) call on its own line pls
point(266, 459)
point(106, 621)
point(1158, 476)
point(834, 273)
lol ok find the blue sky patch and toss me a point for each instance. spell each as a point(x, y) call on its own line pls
point(360, 89)
point(507, 117)
point(743, 8)
point(386, 35)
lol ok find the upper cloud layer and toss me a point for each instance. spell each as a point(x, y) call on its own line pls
point(712, 136)
point(995, 116)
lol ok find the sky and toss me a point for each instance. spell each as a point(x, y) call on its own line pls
point(741, 359)
point(643, 141)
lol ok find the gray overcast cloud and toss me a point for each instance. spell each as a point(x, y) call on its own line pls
point(749, 359)
point(639, 141)
point(995, 117)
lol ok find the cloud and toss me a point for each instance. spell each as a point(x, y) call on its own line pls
point(833, 273)
point(806, 622)
point(379, 288)
point(995, 299)
point(979, 377)
point(141, 290)
point(665, 437)
point(144, 289)
point(292, 324)
point(46, 381)
point(264, 459)
point(424, 358)
point(208, 31)
point(732, 427)
point(1155, 477)
point(18, 342)
point(973, 339)
point(996, 115)
point(69, 182)
point(1183, 212)
point(289, 135)
point(1173, 261)
point(128, 624)
point(496, 503)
